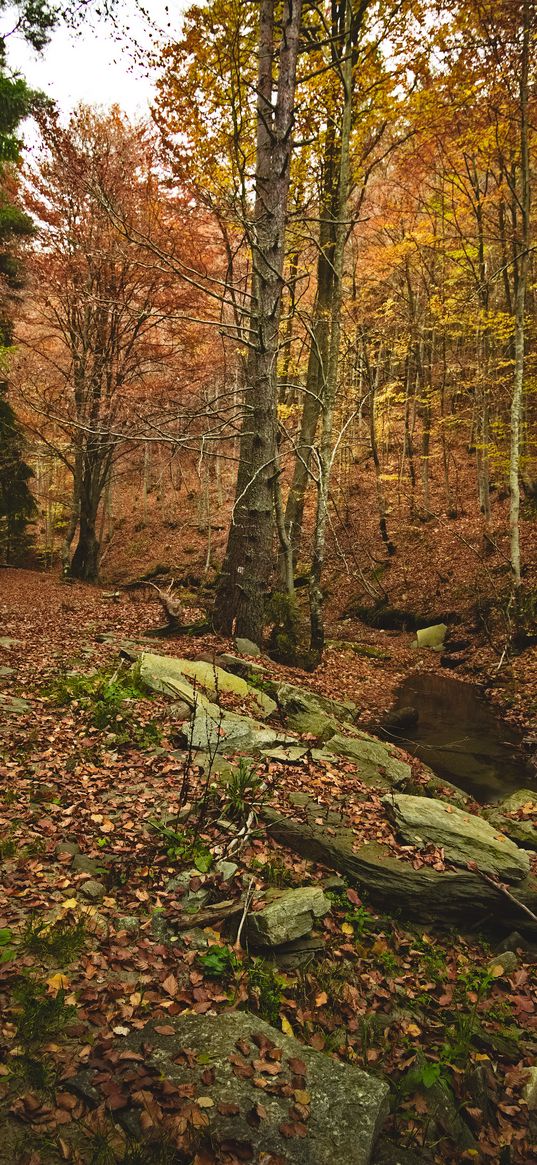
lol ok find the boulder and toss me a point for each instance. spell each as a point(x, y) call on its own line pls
point(463, 836)
point(432, 897)
point(212, 729)
point(374, 760)
point(342, 1107)
point(516, 816)
point(289, 916)
point(432, 636)
point(247, 647)
point(293, 700)
point(400, 719)
point(165, 673)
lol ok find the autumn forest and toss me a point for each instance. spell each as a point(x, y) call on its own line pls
point(268, 589)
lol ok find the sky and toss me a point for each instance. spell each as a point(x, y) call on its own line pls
point(97, 65)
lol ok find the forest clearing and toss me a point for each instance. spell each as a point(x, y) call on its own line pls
point(268, 583)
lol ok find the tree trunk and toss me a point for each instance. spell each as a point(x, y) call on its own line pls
point(246, 572)
point(521, 273)
point(319, 345)
point(326, 453)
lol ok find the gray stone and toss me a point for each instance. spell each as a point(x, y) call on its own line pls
point(190, 900)
point(239, 666)
point(316, 724)
point(291, 755)
point(345, 1107)
point(374, 760)
point(130, 923)
point(507, 960)
point(212, 729)
point(463, 836)
point(67, 847)
point(227, 870)
point(432, 636)
point(247, 647)
point(289, 916)
point(93, 890)
point(294, 700)
point(529, 1091)
point(85, 865)
point(523, 800)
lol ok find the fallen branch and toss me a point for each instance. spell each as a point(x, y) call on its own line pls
point(220, 912)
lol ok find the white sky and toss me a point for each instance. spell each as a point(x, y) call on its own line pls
point(97, 65)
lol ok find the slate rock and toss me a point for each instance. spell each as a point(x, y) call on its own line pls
point(84, 865)
point(375, 762)
point(289, 916)
point(93, 890)
point(529, 1091)
point(463, 836)
point(247, 647)
point(507, 960)
point(347, 1107)
point(432, 636)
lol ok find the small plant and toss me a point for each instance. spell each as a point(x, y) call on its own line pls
point(107, 699)
point(8, 848)
point(180, 846)
point(39, 1015)
point(7, 952)
point(241, 790)
point(274, 872)
point(219, 962)
point(61, 941)
point(265, 985)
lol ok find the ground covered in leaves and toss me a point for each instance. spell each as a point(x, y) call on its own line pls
point(101, 813)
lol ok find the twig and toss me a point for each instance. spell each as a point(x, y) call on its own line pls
point(247, 901)
point(503, 890)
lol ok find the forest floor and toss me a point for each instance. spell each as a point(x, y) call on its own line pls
point(83, 776)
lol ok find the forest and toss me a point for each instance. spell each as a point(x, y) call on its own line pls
point(268, 588)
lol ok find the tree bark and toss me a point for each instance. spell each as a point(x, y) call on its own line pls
point(246, 572)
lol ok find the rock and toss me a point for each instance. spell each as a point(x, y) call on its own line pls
point(227, 870)
point(375, 763)
point(128, 922)
point(507, 960)
point(85, 865)
point(347, 1106)
point(190, 900)
point(93, 890)
point(463, 836)
point(239, 666)
point(399, 719)
point(316, 724)
point(170, 675)
point(431, 897)
point(67, 847)
point(523, 833)
point(432, 636)
point(529, 1091)
point(291, 915)
point(211, 729)
point(165, 675)
point(292, 754)
point(524, 800)
point(293, 700)
point(247, 647)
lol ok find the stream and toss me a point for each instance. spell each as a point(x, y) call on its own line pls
point(461, 738)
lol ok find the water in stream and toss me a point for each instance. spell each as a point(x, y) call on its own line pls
point(461, 738)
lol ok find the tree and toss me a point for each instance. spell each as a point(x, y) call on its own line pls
point(248, 563)
point(100, 323)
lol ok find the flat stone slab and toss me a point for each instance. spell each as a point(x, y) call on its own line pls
point(291, 915)
point(463, 836)
point(374, 760)
point(185, 677)
point(275, 1098)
